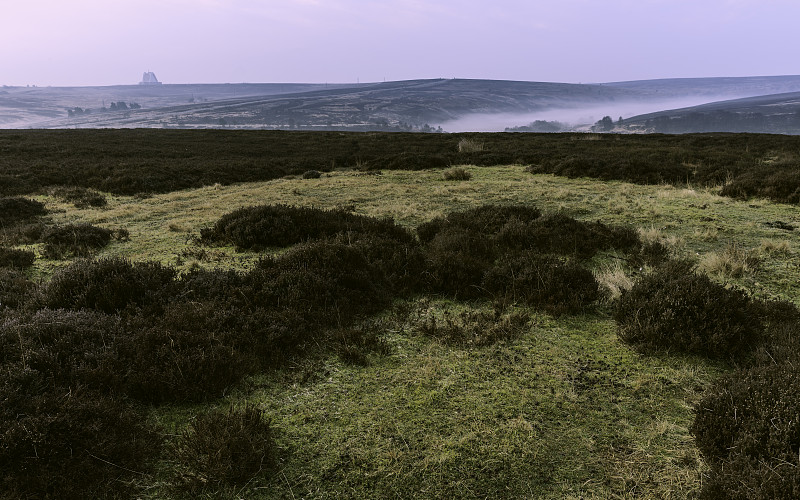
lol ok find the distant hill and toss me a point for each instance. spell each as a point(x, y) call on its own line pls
point(778, 114)
point(411, 105)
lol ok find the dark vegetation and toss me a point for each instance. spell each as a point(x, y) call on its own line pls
point(136, 161)
point(223, 449)
point(85, 353)
point(119, 334)
point(747, 424)
point(81, 197)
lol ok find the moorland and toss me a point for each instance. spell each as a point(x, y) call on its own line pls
point(452, 105)
point(265, 314)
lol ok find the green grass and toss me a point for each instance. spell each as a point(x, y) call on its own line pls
point(564, 411)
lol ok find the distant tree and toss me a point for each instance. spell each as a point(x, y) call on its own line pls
point(135, 105)
point(619, 122)
point(604, 125)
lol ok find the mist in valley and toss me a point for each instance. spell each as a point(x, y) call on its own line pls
point(577, 117)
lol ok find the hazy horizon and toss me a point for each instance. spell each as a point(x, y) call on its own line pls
point(94, 43)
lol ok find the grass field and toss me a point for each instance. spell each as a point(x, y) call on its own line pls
point(564, 410)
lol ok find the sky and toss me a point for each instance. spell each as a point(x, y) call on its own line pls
point(112, 42)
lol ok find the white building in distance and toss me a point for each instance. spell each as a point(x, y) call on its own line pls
point(149, 78)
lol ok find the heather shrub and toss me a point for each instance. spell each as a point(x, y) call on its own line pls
point(456, 261)
point(748, 427)
point(63, 348)
point(402, 264)
point(542, 281)
point(81, 197)
point(224, 448)
point(74, 239)
point(15, 209)
point(259, 227)
point(22, 234)
point(157, 365)
point(560, 234)
point(108, 285)
point(676, 309)
point(11, 257)
point(312, 174)
point(70, 444)
point(15, 288)
point(485, 219)
point(322, 280)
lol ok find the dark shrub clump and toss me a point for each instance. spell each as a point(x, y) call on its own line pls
point(81, 197)
point(14, 210)
point(265, 226)
point(485, 219)
point(748, 428)
point(675, 308)
point(11, 257)
point(542, 281)
point(312, 174)
point(221, 449)
point(108, 285)
point(15, 288)
point(70, 444)
point(74, 239)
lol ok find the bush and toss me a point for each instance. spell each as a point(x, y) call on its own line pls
point(456, 174)
point(158, 365)
point(545, 282)
point(108, 285)
point(312, 174)
point(324, 281)
point(71, 444)
point(456, 261)
point(22, 233)
point(81, 197)
point(16, 209)
point(562, 235)
point(10, 257)
point(74, 239)
point(15, 288)
point(402, 264)
point(224, 448)
point(282, 225)
point(747, 427)
point(485, 219)
point(674, 308)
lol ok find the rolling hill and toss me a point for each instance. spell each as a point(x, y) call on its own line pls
point(411, 105)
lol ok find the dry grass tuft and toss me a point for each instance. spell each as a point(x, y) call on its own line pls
point(613, 281)
point(732, 262)
point(469, 146)
point(775, 247)
point(673, 243)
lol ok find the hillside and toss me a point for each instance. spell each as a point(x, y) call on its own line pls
point(777, 114)
point(414, 105)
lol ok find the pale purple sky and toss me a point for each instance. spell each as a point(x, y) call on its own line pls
point(110, 42)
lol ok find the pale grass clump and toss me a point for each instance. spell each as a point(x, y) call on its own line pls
point(613, 281)
point(775, 247)
point(469, 146)
point(656, 235)
point(706, 234)
point(732, 262)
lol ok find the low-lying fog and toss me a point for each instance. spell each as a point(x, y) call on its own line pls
point(576, 117)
